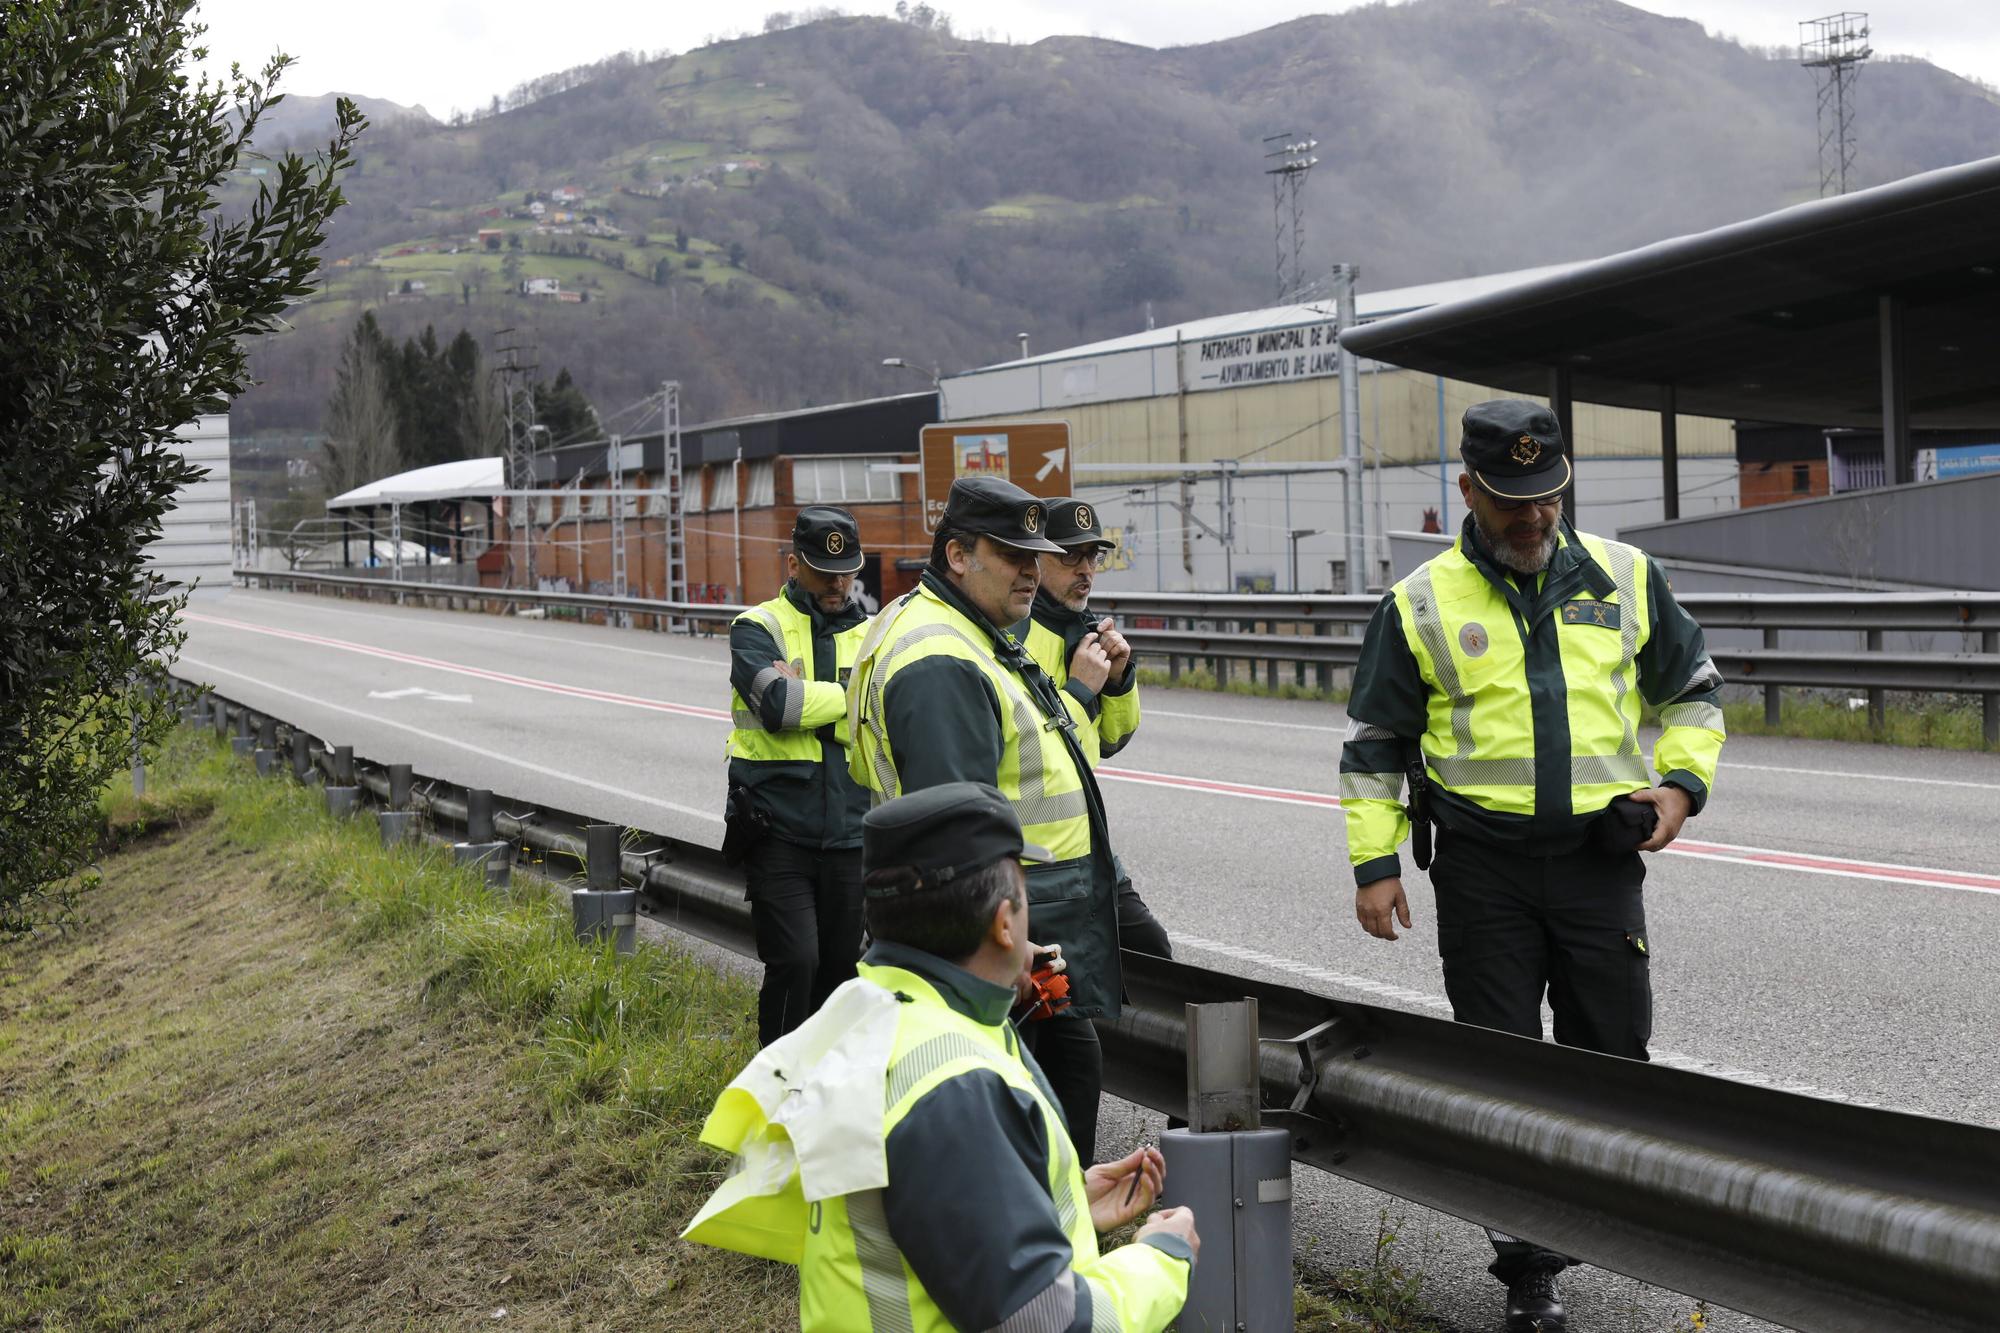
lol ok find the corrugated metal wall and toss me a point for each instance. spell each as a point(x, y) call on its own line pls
point(193, 545)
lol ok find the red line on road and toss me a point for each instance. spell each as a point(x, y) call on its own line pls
point(1287, 795)
point(1826, 865)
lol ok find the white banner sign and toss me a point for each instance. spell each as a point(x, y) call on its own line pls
point(1268, 356)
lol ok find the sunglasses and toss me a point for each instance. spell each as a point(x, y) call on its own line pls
point(1096, 559)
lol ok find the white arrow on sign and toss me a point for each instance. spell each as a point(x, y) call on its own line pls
point(420, 691)
point(1053, 461)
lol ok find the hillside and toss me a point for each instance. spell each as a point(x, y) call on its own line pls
point(766, 219)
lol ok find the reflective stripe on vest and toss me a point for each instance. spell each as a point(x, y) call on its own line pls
point(1479, 736)
point(1022, 728)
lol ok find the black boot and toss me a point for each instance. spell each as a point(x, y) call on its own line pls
point(1534, 1305)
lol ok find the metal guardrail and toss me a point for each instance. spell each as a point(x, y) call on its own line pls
point(1814, 1214)
point(1224, 627)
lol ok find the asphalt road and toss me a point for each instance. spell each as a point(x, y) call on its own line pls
point(1776, 957)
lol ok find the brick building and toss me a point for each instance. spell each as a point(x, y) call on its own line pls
point(743, 482)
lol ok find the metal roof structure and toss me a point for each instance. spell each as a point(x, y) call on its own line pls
point(1848, 311)
point(461, 479)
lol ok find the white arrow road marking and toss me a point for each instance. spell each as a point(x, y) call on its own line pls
point(420, 691)
point(1053, 461)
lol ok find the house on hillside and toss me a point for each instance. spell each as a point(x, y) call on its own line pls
point(490, 238)
point(566, 194)
point(537, 209)
point(541, 286)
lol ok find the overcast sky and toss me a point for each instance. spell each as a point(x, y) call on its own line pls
point(446, 54)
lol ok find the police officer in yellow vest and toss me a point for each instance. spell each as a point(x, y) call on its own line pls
point(944, 693)
point(1092, 664)
point(794, 810)
point(905, 1152)
point(1062, 632)
point(1506, 677)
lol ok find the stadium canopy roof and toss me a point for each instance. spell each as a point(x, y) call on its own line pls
point(1849, 311)
point(461, 479)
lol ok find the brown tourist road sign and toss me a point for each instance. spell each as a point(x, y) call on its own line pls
point(1034, 455)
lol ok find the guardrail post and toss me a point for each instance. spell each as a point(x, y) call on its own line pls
point(1773, 695)
point(301, 756)
point(1271, 663)
point(1989, 642)
point(1877, 696)
point(601, 909)
point(1323, 630)
point(1174, 659)
point(244, 742)
point(267, 747)
point(480, 847)
point(1235, 1175)
point(398, 823)
point(342, 796)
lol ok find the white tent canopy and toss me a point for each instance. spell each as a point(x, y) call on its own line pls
point(462, 479)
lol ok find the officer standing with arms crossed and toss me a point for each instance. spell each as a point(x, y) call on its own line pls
point(905, 1152)
point(794, 814)
point(1505, 678)
point(943, 693)
point(1059, 634)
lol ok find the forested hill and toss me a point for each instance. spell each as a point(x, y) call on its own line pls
point(766, 219)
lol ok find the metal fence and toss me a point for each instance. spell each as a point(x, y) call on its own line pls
point(1323, 632)
point(1814, 1214)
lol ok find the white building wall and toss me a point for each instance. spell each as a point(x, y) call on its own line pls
point(1612, 493)
point(193, 547)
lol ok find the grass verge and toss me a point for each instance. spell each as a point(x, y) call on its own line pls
point(1200, 678)
point(1923, 721)
point(276, 1076)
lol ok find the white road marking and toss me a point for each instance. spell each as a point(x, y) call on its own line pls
point(1240, 721)
point(591, 642)
point(1729, 767)
point(1437, 1003)
point(512, 761)
point(416, 691)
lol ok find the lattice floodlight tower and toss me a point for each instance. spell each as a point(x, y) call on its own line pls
point(516, 372)
point(1291, 159)
point(1834, 48)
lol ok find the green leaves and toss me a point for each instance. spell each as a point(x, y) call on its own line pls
point(125, 313)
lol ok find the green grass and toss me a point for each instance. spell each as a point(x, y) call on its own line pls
point(278, 1076)
point(1938, 722)
point(1200, 678)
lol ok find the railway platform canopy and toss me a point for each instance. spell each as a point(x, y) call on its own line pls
point(1876, 309)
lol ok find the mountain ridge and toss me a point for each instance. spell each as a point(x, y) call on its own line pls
point(773, 215)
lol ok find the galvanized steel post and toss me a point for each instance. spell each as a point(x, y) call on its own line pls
point(1235, 1175)
point(398, 823)
point(601, 909)
point(480, 847)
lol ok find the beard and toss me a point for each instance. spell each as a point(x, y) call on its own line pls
point(1511, 557)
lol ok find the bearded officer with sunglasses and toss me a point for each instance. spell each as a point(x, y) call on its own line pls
point(1092, 664)
point(1505, 677)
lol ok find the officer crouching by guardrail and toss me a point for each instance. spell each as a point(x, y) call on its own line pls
point(794, 813)
point(1505, 676)
point(904, 1150)
point(1093, 666)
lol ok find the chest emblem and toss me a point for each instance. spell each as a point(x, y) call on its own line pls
point(1472, 639)
point(1584, 612)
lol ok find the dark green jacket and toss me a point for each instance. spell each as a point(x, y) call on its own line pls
point(814, 805)
point(944, 726)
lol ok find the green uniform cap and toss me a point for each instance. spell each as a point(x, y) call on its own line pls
point(943, 832)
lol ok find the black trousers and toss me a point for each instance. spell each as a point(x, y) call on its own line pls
point(805, 908)
point(1513, 928)
point(1073, 1062)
